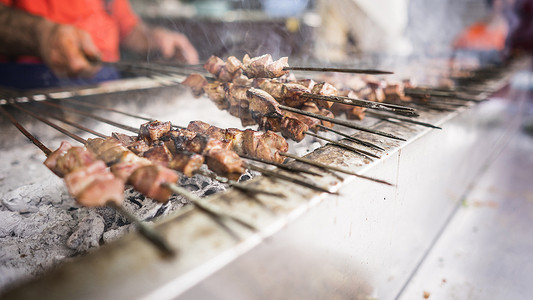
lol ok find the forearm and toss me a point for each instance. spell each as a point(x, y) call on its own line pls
point(20, 32)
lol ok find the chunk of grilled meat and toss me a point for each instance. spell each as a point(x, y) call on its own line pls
point(149, 181)
point(264, 67)
point(292, 94)
point(51, 160)
point(262, 104)
point(225, 163)
point(186, 162)
point(93, 185)
point(352, 112)
point(158, 153)
point(87, 179)
point(217, 93)
point(264, 145)
point(214, 65)
point(73, 159)
point(292, 128)
point(152, 131)
point(196, 82)
point(324, 89)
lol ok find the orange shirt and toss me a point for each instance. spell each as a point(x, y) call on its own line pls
point(106, 21)
point(481, 36)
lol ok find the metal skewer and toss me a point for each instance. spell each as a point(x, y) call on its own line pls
point(281, 176)
point(351, 138)
point(199, 202)
point(175, 187)
point(438, 94)
point(147, 232)
point(86, 114)
point(388, 116)
point(403, 110)
point(338, 70)
point(334, 168)
point(79, 139)
point(363, 153)
point(340, 122)
point(270, 173)
point(282, 166)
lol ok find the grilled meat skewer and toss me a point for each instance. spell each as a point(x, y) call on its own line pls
point(97, 190)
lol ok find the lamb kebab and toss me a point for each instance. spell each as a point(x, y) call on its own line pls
point(150, 179)
point(89, 181)
point(284, 154)
point(258, 106)
point(264, 68)
point(184, 151)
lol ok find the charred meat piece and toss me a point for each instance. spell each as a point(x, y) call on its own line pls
point(73, 159)
point(202, 144)
point(324, 89)
point(270, 123)
point(196, 83)
point(180, 137)
point(377, 95)
point(158, 154)
point(124, 139)
point(236, 95)
point(394, 92)
point(100, 145)
point(309, 121)
point(149, 181)
point(152, 131)
point(274, 88)
point(224, 75)
point(307, 83)
point(76, 181)
point(124, 169)
point(250, 140)
point(113, 155)
point(186, 162)
point(51, 160)
point(216, 92)
point(138, 146)
point(269, 146)
point(216, 133)
point(237, 137)
point(198, 127)
point(233, 64)
point(264, 67)
point(213, 65)
point(262, 104)
point(292, 128)
point(292, 94)
point(225, 163)
point(101, 191)
point(255, 67)
point(326, 113)
point(241, 79)
point(275, 68)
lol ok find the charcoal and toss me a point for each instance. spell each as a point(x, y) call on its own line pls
point(88, 233)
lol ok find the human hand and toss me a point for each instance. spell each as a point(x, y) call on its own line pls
point(67, 50)
point(173, 45)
